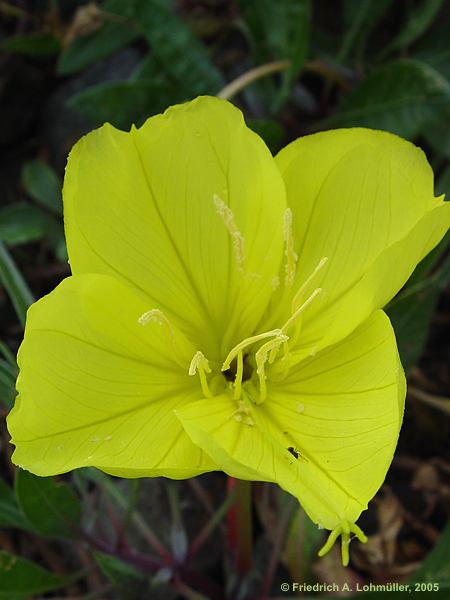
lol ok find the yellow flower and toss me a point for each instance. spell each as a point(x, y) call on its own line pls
point(224, 309)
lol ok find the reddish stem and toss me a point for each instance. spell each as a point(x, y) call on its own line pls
point(239, 521)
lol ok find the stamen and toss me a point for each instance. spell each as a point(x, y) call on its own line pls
point(239, 375)
point(247, 342)
point(261, 359)
point(153, 316)
point(302, 288)
point(291, 256)
point(343, 529)
point(237, 238)
point(201, 364)
point(301, 309)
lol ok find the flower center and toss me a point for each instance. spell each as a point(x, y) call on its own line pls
point(267, 352)
point(240, 364)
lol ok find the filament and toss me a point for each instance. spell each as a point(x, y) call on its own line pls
point(200, 364)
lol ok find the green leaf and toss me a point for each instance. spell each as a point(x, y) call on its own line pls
point(436, 567)
point(33, 44)
point(361, 17)
point(443, 183)
point(270, 130)
point(14, 284)
point(434, 49)
point(10, 514)
point(419, 20)
point(184, 58)
point(50, 506)
point(402, 97)
point(43, 185)
point(9, 356)
point(149, 68)
point(279, 31)
point(7, 384)
point(115, 570)
point(123, 103)
point(114, 34)
point(301, 543)
point(22, 222)
point(411, 313)
point(21, 579)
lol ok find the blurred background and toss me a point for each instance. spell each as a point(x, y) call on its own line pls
point(293, 67)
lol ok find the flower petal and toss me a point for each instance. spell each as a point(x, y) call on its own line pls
point(355, 194)
point(98, 385)
point(341, 412)
point(343, 409)
point(189, 210)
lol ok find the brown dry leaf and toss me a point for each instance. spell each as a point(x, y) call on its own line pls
point(329, 569)
point(86, 20)
point(426, 478)
point(380, 550)
point(390, 518)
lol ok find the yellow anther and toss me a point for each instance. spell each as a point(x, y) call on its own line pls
point(153, 316)
point(247, 342)
point(291, 256)
point(238, 241)
point(344, 529)
point(299, 293)
point(200, 363)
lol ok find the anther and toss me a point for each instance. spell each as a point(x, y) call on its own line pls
point(299, 293)
point(291, 256)
point(152, 316)
point(200, 363)
point(237, 238)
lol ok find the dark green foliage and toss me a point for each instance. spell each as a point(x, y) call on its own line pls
point(33, 44)
point(23, 222)
point(43, 185)
point(10, 513)
point(50, 506)
point(116, 570)
point(279, 31)
point(376, 63)
point(403, 97)
point(20, 579)
point(124, 102)
point(14, 284)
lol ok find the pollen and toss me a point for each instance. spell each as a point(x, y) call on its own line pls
point(242, 414)
point(237, 238)
point(275, 283)
point(152, 316)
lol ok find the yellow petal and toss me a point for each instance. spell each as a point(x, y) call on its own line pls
point(340, 412)
point(189, 210)
point(99, 379)
point(354, 195)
